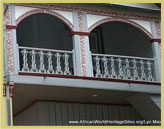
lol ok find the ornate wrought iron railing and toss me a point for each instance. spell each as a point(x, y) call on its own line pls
point(46, 61)
point(123, 67)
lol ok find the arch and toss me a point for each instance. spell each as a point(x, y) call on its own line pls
point(60, 17)
point(121, 20)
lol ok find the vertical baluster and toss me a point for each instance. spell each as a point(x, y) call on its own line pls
point(135, 71)
point(98, 71)
point(121, 74)
point(25, 63)
point(143, 75)
point(33, 64)
point(113, 72)
point(105, 65)
point(66, 63)
point(128, 73)
point(58, 66)
point(150, 76)
point(50, 66)
point(42, 67)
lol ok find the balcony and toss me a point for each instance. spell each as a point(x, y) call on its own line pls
point(123, 67)
point(120, 54)
point(38, 60)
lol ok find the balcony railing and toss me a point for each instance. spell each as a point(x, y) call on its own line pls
point(38, 60)
point(46, 61)
point(123, 67)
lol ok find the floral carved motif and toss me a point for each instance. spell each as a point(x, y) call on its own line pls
point(82, 45)
point(158, 30)
point(158, 33)
point(11, 88)
point(104, 12)
point(9, 42)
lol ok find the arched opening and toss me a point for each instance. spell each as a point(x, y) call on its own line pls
point(44, 45)
point(118, 38)
point(44, 31)
point(120, 50)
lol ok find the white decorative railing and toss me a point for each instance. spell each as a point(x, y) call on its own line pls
point(46, 61)
point(123, 67)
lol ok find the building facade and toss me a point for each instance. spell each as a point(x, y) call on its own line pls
point(73, 64)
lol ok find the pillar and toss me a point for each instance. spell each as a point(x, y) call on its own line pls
point(8, 67)
point(7, 104)
point(156, 49)
point(83, 59)
point(14, 40)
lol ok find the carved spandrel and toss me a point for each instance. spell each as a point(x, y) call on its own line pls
point(25, 67)
point(113, 72)
point(97, 66)
point(143, 75)
point(128, 73)
point(135, 70)
point(105, 67)
point(121, 74)
point(50, 66)
point(33, 61)
point(66, 63)
point(58, 64)
point(42, 66)
point(149, 67)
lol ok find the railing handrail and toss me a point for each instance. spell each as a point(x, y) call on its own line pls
point(43, 49)
point(132, 57)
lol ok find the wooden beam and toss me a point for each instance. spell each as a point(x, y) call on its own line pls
point(79, 33)
point(155, 40)
point(11, 27)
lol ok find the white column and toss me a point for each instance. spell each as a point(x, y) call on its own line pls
point(82, 56)
point(156, 53)
point(14, 41)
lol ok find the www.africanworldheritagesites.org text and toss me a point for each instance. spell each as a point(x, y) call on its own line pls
point(117, 122)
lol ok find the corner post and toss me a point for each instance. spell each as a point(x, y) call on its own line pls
point(156, 49)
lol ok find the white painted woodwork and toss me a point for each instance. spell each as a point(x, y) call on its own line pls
point(144, 24)
point(65, 14)
point(19, 11)
point(92, 19)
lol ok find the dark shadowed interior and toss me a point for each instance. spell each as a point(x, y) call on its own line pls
point(44, 31)
point(118, 38)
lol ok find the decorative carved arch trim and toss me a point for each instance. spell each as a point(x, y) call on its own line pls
point(43, 11)
point(148, 34)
